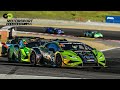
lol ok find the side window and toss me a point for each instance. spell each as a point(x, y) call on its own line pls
point(88, 47)
point(81, 47)
point(54, 46)
point(8, 42)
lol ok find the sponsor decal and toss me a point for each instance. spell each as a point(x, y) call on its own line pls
point(110, 17)
point(8, 15)
point(16, 21)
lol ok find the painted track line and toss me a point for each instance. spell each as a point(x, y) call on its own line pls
point(109, 49)
point(13, 76)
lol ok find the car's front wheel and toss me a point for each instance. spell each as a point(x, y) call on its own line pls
point(85, 34)
point(58, 60)
point(8, 55)
point(33, 59)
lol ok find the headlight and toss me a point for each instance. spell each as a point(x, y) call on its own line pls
point(74, 57)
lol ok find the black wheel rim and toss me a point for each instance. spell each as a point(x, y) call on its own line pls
point(33, 59)
point(58, 61)
point(9, 55)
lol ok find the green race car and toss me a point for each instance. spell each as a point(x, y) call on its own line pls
point(6, 45)
point(93, 34)
point(23, 52)
point(71, 54)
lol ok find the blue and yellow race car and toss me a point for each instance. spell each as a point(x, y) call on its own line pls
point(71, 54)
point(52, 30)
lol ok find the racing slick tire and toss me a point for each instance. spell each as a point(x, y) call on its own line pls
point(92, 36)
point(19, 56)
point(8, 55)
point(46, 31)
point(14, 59)
point(42, 61)
point(85, 35)
point(58, 61)
point(33, 59)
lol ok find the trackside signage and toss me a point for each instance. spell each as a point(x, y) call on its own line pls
point(19, 21)
point(112, 19)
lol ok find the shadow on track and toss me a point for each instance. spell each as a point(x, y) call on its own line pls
point(112, 63)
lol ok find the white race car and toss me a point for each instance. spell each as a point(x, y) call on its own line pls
point(13, 28)
point(10, 29)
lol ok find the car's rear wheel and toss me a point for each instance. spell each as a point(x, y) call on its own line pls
point(92, 36)
point(46, 31)
point(33, 59)
point(58, 61)
point(19, 56)
point(14, 59)
point(8, 55)
point(42, 61)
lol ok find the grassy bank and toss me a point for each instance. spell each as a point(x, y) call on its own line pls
point(63, 15)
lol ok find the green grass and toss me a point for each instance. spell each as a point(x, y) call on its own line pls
point(63, 15)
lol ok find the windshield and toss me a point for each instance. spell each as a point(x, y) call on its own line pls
point(97, 33)
point(33, 44)
point(37, 50)
point(75, 47)
point(11, 42)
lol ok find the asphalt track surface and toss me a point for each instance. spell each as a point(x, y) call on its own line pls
point(112, 57)
point(113, 35)
point(110, 72)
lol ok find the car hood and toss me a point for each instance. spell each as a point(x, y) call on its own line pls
point(86, 56)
